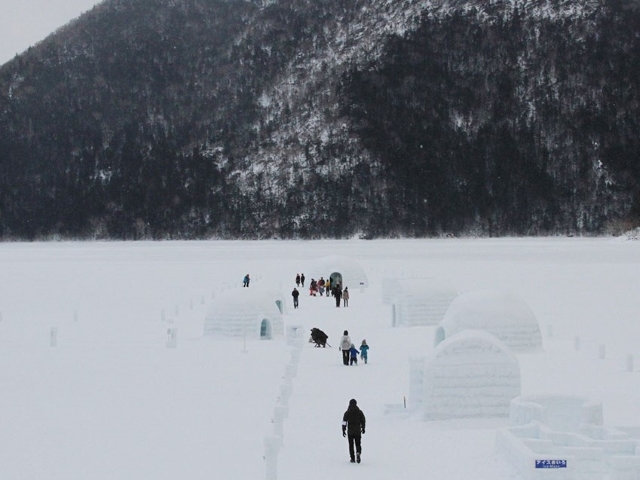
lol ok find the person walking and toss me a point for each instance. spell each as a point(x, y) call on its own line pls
point(245, 281)
point(295, 294)
point(337, 293)
point(353, 352)
point(302, 280)
point(345, 296)
point(353, 426)
point(345, 346)
point(298, 280)
point(364, 351)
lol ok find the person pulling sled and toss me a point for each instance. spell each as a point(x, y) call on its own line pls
point(319, 338)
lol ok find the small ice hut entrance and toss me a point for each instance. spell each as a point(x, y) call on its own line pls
point(265, 329)
point(336, 277)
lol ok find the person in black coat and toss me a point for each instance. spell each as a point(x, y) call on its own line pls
point(319, 337)
point(353, 423)
point(337, 293)
point(295, 294)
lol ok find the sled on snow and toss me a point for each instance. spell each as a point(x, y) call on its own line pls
point(319, 338)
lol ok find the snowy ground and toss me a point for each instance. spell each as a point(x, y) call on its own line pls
point(110, 401)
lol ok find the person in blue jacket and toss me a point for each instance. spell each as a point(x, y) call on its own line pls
point(353, 351)
point(364, 350)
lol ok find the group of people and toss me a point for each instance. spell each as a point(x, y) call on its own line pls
point(321, 287)
point(353, 420)
point(350, 352)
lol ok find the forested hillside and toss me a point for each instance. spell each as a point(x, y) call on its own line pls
point(306, 119)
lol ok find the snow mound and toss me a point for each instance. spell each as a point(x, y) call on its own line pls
point(419, 302)
point(245, 311)
point(501, 314)
point(471, 374)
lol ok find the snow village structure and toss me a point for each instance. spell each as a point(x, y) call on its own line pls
point(563, 437)
point(343, 270)
point(417, 301)
point(471, 374)
point(245, 312)
point(501, 314)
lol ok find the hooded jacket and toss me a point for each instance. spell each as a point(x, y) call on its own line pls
point(345, 342)
point(353, 420)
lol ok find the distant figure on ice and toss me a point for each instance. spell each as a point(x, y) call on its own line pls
point(337, 293)
point(327, 286)
point(298, 280)
point(353, 352)
point(313, 287)
point(364, 350)
point(353, 423)
point(345, 346)
point(245, 282)
point(345, 296)
point(302, 279)
point(321, 286)
point(295, 294)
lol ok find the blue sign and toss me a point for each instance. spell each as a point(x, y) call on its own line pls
point(551, 464)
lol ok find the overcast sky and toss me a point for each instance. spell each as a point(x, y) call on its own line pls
point(25, 22)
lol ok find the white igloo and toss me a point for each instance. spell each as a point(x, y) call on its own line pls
point(501, 314)
point(419, 302)
point(345, 270)
point(245, 311)
point(471, 374)
point(390, 288)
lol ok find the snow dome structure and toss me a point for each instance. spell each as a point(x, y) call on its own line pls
point(418, 302)
point(390, 288)
point(501, 314)
point(471, 374)
point(245, 311)
point(344, 270)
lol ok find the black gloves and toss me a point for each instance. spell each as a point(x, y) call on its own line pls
point(344, 432)
point(363, 431)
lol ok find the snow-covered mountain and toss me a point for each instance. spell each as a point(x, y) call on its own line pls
point(200, 118)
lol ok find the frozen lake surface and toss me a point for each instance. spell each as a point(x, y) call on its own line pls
point(111, 401)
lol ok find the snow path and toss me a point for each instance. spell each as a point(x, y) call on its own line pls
point(313, 447)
